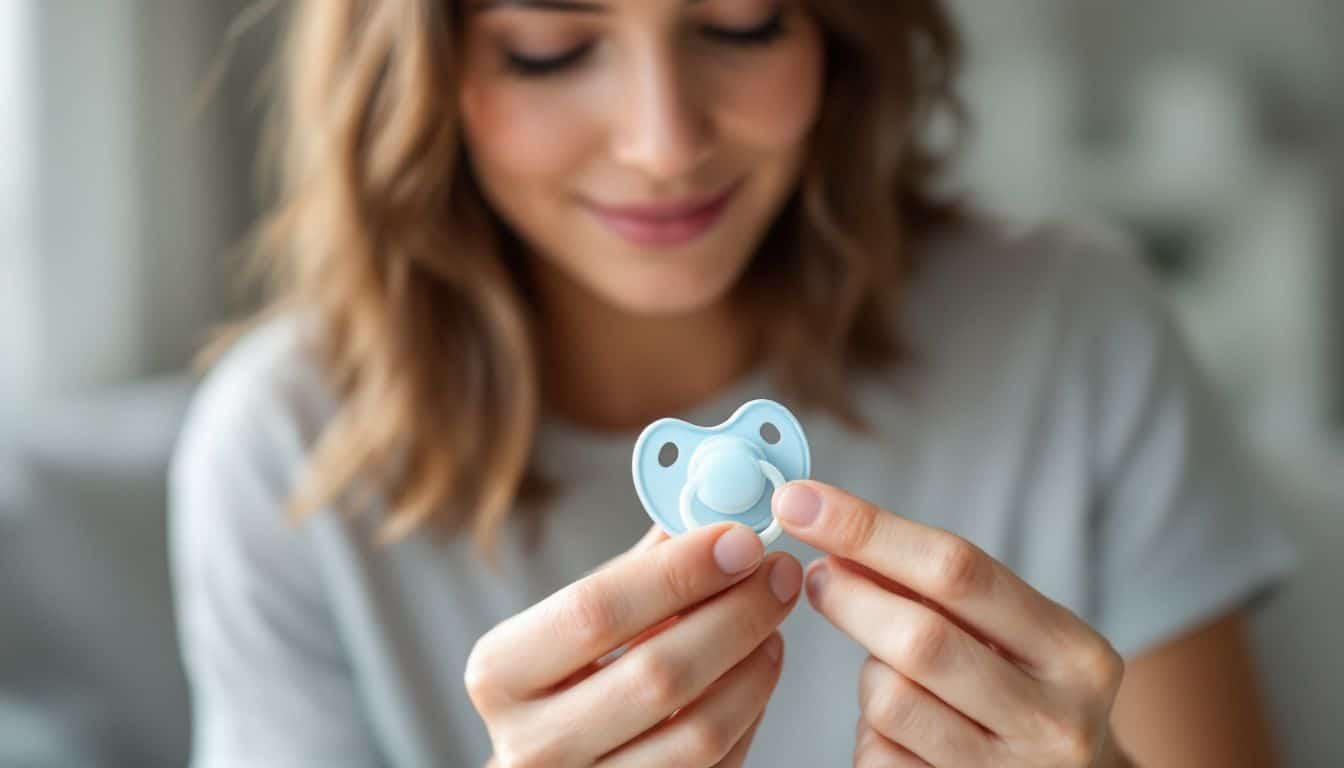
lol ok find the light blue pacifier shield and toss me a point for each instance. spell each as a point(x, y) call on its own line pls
point(688, 476)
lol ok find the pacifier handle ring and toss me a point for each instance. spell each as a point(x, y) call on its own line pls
point(771, 532)
point(776, 479)
point(686, 508)
point(772, 474)
point(688, 520)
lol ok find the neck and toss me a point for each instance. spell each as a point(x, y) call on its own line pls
point(609, 370)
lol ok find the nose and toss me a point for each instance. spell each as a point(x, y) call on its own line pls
point(663, 129)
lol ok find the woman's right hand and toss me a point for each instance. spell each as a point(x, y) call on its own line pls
point(698, 613)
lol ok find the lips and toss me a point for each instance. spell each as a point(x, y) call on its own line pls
point(665, 224)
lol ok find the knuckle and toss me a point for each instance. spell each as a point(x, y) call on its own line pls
point(856, 530)
point(958, 569)
point(925, 644)
point(765, 674)
point(873, 755)
point(760, 616)
point(881, 752)
point(655, 683)
point(1116, 677)
point(893, 707)
point(749, 612)
point(588, 615)
point(1059, 740)
point(1099, 667)
point(867, 748)
point(677, 580)
point(707, 740)
point(1070, 745)
point(1111, 668)
point(479, 674)
point(873, 673)
point(525, 753)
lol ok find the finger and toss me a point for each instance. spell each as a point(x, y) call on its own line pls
point(585, 620)
point(673, 668)
point(713, 728)
point(738, 754)
point(923, 645)
point(590, 668)
point(981, 592)
point(907, 714)
point(903, 591)
point(652, 538)
point(873, 750)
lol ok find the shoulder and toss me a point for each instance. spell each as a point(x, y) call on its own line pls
point(266, 385)
point(252, 420)
point(250, 583)
point(985, 249)
point(1058, 317)
point(242, 448)
point(989, 276)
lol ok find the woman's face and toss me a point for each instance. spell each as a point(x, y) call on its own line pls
point(641, 148)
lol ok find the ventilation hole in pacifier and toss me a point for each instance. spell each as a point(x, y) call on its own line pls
point(667, 455)
point(770, 433)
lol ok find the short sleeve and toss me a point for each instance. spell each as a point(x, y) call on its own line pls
point(1185, 522)
point(270, 685)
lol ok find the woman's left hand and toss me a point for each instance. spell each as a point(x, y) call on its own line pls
point(968, 665)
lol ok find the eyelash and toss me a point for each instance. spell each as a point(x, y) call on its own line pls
point(761, 35)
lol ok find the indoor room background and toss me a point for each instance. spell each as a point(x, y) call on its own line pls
point(1211, 131)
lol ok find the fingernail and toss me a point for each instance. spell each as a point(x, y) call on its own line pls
point(816, 582)
point(797, 504)
point(774, 646)
point(738, 549)
point(786, 576)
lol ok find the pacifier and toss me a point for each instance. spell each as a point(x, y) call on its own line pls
point(688, 476)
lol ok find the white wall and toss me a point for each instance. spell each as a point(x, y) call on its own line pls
point(120, 203)
point(90, 194)
point(19, 315)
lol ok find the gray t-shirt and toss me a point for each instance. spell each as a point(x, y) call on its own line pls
point(1053, 417)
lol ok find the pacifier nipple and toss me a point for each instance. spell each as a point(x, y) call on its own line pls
point(728, 474)
point(729, 482)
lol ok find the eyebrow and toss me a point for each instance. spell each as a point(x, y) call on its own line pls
point(573, 6)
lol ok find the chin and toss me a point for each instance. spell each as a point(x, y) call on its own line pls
point(668, 296)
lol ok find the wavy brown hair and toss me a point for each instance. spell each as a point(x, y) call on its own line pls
point(424, 326)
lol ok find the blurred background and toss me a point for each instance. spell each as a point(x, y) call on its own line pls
point(1211, 130)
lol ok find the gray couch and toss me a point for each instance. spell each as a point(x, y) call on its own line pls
point(89, 671)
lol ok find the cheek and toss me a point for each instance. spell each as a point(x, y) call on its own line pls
point(521, 136)
point(774, 104)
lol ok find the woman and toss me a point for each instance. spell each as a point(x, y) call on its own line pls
point(512, 233)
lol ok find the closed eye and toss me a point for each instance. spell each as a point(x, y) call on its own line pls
point(534, 66)
point(761, 34)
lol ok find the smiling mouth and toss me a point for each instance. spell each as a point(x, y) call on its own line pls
point(666, 224)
